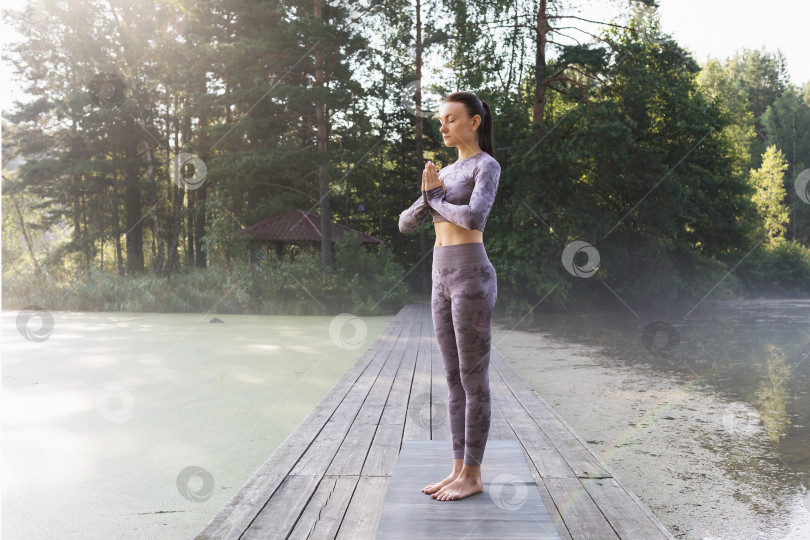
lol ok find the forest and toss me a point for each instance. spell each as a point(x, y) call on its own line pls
point(152, 133)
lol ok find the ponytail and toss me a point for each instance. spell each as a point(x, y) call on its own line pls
point(485, 131)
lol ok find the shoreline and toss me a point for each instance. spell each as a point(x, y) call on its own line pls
point(670, 438)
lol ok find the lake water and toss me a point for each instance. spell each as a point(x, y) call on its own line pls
point(711, 432)
point(707, 416)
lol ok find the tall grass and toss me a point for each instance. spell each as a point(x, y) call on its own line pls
point(363, 282)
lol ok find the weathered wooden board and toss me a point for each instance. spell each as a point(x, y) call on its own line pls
point(355, 467)
point(509, 507)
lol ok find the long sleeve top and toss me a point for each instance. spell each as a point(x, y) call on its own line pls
point(471, 184)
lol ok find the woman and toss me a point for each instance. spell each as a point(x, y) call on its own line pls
point(464, 281)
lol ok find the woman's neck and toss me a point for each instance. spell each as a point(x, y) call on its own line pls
point(470, 151)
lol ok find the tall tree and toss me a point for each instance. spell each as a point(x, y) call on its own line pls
point(726, 94)
point(770, 193)
point(762, 76)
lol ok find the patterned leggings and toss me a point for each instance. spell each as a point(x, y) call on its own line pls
point(465, 287)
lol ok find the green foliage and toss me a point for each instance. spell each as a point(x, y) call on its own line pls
point(222, 242)
point(642, 153)
point(787, 125)
point(782, 270)
point(373, 276)
point(363, 282)
point(770, 194)
point(725, 93)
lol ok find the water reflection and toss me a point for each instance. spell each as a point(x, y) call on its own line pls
point(753, 358)
point(772, 394)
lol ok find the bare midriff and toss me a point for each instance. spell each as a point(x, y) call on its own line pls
point(449, 234)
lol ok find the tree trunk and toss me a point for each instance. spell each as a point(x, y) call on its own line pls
point(540, 64)
point(119, 256)
point(134, 210)
point(177, 222)
point(202, 192)
point(87, 245)
point(322, 120)
point(427, 283)
point(37, 269)
point(199, 232)
point(157, 267)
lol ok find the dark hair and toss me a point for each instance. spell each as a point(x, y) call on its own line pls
point(474, 106)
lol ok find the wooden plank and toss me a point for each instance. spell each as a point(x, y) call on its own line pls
point(551, 506)
point(541, 450)
point(324, 512)
point(582, 517)
point(379, 463)
point(363, 514)
point(499, 427)
point(362, 428)
point(621, 511)
point(317, 458)
point(364, 509)
point(319, 455)
point(294, 491)
point(235, 517)
point(509, 506)
point(539, 408)
point(546, 458)
point(421, 414)
point(574, 450)
point(331, 477)
point(391, 424)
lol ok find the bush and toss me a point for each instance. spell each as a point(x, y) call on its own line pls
point(373, 277)
point(783, 270)
point(363, 282)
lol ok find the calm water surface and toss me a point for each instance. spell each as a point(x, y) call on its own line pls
point(746, 352)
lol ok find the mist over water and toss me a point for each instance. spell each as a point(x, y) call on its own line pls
point(708, 419)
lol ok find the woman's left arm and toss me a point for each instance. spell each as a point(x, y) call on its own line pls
point(473, 215)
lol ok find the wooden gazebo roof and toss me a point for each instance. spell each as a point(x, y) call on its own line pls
point(300, 226)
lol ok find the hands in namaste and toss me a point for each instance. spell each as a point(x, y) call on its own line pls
point(430, 178)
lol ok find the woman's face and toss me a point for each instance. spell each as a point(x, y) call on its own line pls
point(457, 128)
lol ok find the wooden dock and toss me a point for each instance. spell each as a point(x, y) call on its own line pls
point(329, 478)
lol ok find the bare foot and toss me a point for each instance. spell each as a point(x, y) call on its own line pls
point(436, 486)
point(462, 486)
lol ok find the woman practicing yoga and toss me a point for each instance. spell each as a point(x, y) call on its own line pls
point(464, 281)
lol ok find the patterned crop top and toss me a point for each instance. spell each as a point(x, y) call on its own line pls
point(471, 185)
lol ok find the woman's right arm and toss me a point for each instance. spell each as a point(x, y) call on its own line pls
point(413, 217)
